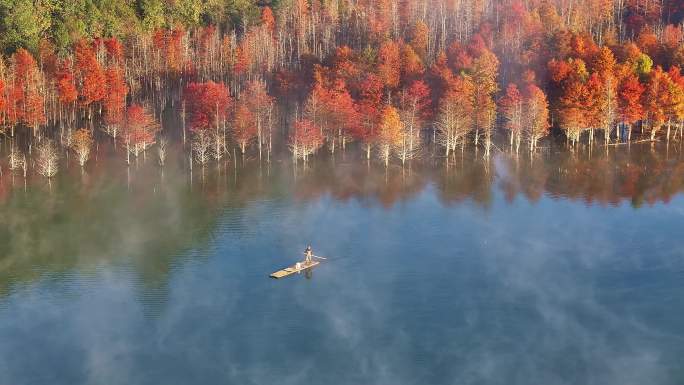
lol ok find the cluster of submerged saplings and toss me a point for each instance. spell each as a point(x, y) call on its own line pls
point(46, 161)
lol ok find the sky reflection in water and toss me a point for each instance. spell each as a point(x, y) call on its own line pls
point(480, 274)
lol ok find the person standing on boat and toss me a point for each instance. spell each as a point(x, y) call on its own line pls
point(308, 255)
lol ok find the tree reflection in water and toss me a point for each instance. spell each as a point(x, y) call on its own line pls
point(109, 214)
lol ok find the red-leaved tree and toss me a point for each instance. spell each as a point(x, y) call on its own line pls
point(305, 140)
point(512, 112)
point(630, 107)
point(244, 129)
point(139, 130)
point(91, 76)
point(66, 84)
point(25, 102)
point(260, 103)
point(209, 105)
point(115, 101)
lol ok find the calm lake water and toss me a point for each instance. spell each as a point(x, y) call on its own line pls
point(564, 269)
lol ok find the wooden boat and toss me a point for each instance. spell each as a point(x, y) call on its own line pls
point(296, 268)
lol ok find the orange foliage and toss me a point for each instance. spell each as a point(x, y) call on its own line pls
point(630, 94)
point(244, 129)
point(25, 102)
point(115, 49)
point(306, 139)
point(419, 38)
point(511, 109)
point(389, 64)
point(208, 103)
point(267, 19)
point(66, 83)
point(412, 66)
point(390, 132)
point(170, 45)
point(91, 75)
point(390, 127)
point(139, 130)
point(115, 100)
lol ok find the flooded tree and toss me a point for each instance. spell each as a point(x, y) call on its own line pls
point(536, 116)
point(161, 151)
point(512, 112)
point(606, 92)
point(630, 108)
point(47, 162)
point(331, 107)
point(369, 106)
point(260, 105)
point(305, 140)
point(201, 144)
point(66, 90)
point(244, 127)
point(455, 116)
point(139, 130)
point(415, 103)
point(81, 144)
point(24, 103)
point(390, 133)
point(90, 76)
point(114, 101)
point(209, 106)
point(484, 74)
point(17, 161)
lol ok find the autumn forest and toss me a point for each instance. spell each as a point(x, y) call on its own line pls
point(341, 192)
point(397, 81)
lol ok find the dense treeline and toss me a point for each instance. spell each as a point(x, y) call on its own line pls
point(24, 23)
point(391, 76)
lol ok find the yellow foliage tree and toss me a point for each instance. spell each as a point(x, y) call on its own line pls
point(390, 133)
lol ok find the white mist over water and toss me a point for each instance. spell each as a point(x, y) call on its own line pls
point(171, 286)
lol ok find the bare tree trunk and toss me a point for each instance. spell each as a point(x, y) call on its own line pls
point(183, 120)
point(668, 129)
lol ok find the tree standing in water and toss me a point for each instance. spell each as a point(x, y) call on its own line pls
point(630, 107)
point(91, 76)
point(25, 102)
point(81, 143)
point(455, 116)
point(162, 151)
point(415, 103)
point(139, 131)
point(390, 133)
point(66, 91)
point(209, 106)
point(47, 162)
point(536, 115)
point(512, 111)
point(305, 140)
point(366, 127)
point(484, 73)
point(260, 104)
point(114, 102)
point(244, 129)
